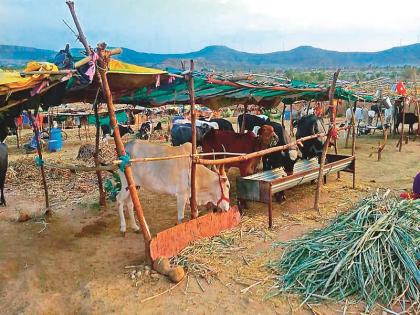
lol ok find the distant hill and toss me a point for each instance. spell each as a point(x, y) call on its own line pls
point(18, 55)
point(222, 57)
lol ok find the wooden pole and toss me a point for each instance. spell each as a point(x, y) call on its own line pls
point(34, 123)
point(257, 154)
point(101, 73)
point(327, 141)
point(282, 115)
point(353, 130)
point(402, 127)
point(242, 127)
point(193, 200)
point(17, 135)
point(417, 102)
point(291, 120)
point(102, 195)
point(381, 147)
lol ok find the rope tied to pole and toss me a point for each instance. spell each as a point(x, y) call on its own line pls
point(125, 161)
point(39, 162)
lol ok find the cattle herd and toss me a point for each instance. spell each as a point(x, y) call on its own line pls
point(255, 133)
point(214, 135)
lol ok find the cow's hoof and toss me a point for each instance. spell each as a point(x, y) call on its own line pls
point(122, 233)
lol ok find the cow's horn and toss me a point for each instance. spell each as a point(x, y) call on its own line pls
point(222, 171)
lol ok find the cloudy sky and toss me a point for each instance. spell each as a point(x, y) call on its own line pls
point(170, 26)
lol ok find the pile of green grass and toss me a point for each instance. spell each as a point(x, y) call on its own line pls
point(371, 253)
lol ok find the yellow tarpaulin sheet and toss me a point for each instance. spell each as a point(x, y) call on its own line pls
point(11, 81)
point(116, 66)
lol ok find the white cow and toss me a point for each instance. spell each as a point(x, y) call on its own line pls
point(361, 114)
point(172, 177)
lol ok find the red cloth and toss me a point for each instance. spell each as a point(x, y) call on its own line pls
point(408, 195)
point(19, 121)
point(401, 88)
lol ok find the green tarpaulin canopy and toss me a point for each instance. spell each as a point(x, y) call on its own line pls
point(216, 93)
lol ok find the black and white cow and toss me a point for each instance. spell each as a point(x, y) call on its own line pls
point(410, 119)
point(145, 130)
point(3, 170)
point(124, 129)
point(252, 121)
point(308, 126)
point(222, 123)
point(285, 159)
point(158, 127)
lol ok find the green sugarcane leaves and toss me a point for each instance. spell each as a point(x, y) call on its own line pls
point(371, 253)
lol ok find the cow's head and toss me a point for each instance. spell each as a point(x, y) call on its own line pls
point(223, 192)
point(267, 135)
point(130, 130)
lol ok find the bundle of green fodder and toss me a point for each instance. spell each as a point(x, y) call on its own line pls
point(370, 253)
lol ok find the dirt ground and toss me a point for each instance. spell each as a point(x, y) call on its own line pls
point(76, 262)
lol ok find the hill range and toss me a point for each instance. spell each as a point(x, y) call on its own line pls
point(225, 58)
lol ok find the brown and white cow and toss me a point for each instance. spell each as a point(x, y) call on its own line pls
point(229, 141)
point(172, 177)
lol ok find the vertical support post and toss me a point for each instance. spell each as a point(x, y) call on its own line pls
point(102, 196)
point(101, 75)
point(353, 130)
point(385, 131)
point(193, 200)
point(17, 134)
point(347, 138)
point(417, 102)
point(402, 127)
point(270, 208)
point(291, 120)
point(242, 127)
point(34, 123)
point(121, 152)
point(332, 107)
point(282, 115)
point(354, 173)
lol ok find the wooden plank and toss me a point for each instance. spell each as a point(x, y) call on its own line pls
point(170, 242)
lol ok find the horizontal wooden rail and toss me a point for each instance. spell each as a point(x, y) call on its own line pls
point(239, 157)
point(254, 155)
point(262, 152)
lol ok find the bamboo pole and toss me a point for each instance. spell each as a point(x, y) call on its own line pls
point(353, 130)
point(193, 199)
point(239, 157)
point(101, 70)
point(402, 127)
point(257, 154)
point(332, 107)
point(17, 134)
point(417, 102)
point(102, 196)
point(291, 120)
point(39, 152)
point(242, 127)
point(381, 147)
point(282, 115)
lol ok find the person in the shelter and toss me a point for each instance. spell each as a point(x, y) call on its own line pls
point(416, 189)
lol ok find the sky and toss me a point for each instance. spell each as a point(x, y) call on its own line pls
point(176, 26)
